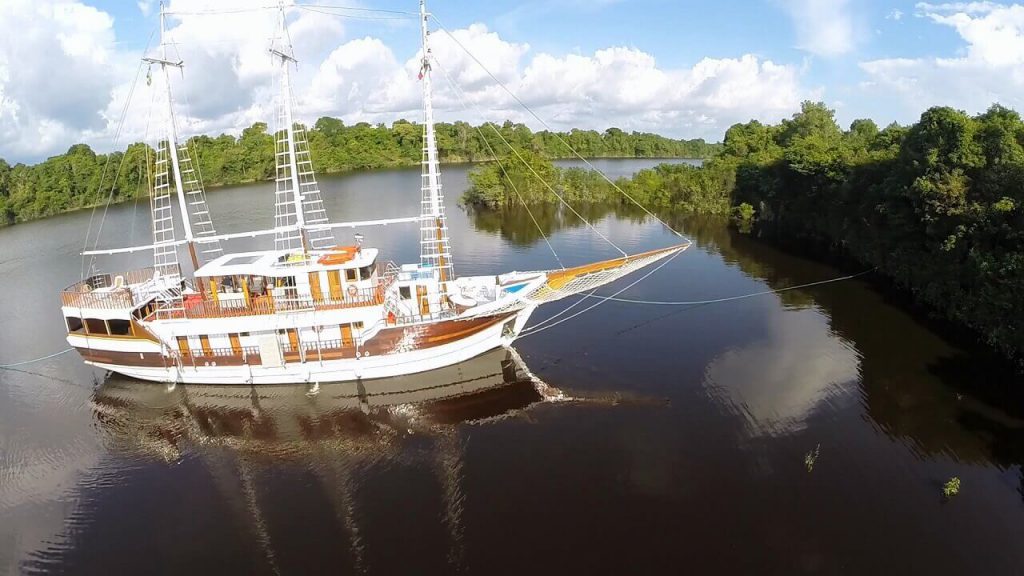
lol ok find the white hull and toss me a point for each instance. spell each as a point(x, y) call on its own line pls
point(342, 370)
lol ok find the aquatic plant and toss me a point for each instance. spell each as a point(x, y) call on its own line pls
point(951, 487)
point(811, 457)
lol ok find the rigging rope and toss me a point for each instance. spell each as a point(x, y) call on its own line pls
point(531, 169)
point(459, 93)
point(551, 130)
point(113, 185)
point(34, 360)
point(536, 329)
point(545, 324)
point(732, 298)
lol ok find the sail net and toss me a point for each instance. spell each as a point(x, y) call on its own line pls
point(294, 176)
point(569, 281)
point(165, 253)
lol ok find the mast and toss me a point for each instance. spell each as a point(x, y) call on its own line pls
point(172, 136)
point(298, 200)
point(435, 249)
point(286, 104)
point(195, 213)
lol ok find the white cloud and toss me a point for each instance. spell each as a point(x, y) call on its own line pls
point(823, 27)
point(616, 86)
point(57, 68)
point(896, 15)
point(966, 7)
point(988, 69)
point(62, 80)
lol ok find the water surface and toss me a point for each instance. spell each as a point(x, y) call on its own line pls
point(649, 439)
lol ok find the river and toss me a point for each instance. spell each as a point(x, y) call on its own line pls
point(807, 431)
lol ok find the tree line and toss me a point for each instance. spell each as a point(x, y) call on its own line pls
point(937, 206)
point(81, 178)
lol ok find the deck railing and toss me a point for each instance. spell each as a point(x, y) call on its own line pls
point(98, 291)
point(263, 305)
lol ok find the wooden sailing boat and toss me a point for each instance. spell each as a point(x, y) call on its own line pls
point(307, 311)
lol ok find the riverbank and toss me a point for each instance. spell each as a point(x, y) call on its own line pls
point(936, 207)
point(81, 178)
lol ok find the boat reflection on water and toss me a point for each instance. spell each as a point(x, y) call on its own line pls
point(283, 419)
point(347, 438)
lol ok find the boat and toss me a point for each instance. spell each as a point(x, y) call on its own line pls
point(309, 310)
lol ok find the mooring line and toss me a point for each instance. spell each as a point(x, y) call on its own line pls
point(34, 360)
point(731, 298)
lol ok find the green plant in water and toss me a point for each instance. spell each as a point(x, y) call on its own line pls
point(811, 457)
point(951, 488)
point(743, 217)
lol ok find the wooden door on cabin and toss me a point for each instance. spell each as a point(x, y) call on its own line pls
point(421, 295)
point(293, 339)
point(314, 286)
point(204, 341)
point(236, 344)
point(334, 283)
point(346, 334)
point(183, 348)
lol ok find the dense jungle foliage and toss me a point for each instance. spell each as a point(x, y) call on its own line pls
point(73, 180)
point(937, 206)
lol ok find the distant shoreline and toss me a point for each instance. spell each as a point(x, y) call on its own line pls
point(217, 187)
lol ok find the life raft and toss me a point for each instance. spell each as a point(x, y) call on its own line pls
point(338, 255)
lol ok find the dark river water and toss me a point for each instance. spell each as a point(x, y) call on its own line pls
point(808, 431)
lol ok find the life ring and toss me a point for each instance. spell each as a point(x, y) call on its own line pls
point(352, 291)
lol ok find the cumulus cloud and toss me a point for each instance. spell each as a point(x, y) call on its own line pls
point(57, 70)
point(618, 86)
point(62, 80)
point(824, 28)
point(987, 69)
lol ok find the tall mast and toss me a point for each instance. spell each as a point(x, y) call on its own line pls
point(435, 249)
point(172, 136)
point(299, 204)
point(286, 104)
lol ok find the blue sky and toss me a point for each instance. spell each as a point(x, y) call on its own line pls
point(685, 69)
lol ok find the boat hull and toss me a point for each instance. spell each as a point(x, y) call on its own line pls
point(418, 348)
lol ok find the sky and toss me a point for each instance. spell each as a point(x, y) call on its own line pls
point(70, 70)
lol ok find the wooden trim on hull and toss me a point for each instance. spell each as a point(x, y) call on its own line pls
point(559, 278)
point(388, 341)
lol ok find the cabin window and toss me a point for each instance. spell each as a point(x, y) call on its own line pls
point(286, 281)
point(120, 327)
point(405, 292)
point(350, 274)
point(74, 324)
point(365, 272)
point(95, 326)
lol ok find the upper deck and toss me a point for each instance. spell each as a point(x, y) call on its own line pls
point(283, 263)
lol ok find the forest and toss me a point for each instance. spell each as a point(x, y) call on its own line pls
point(81, 178)
point(937, 206)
